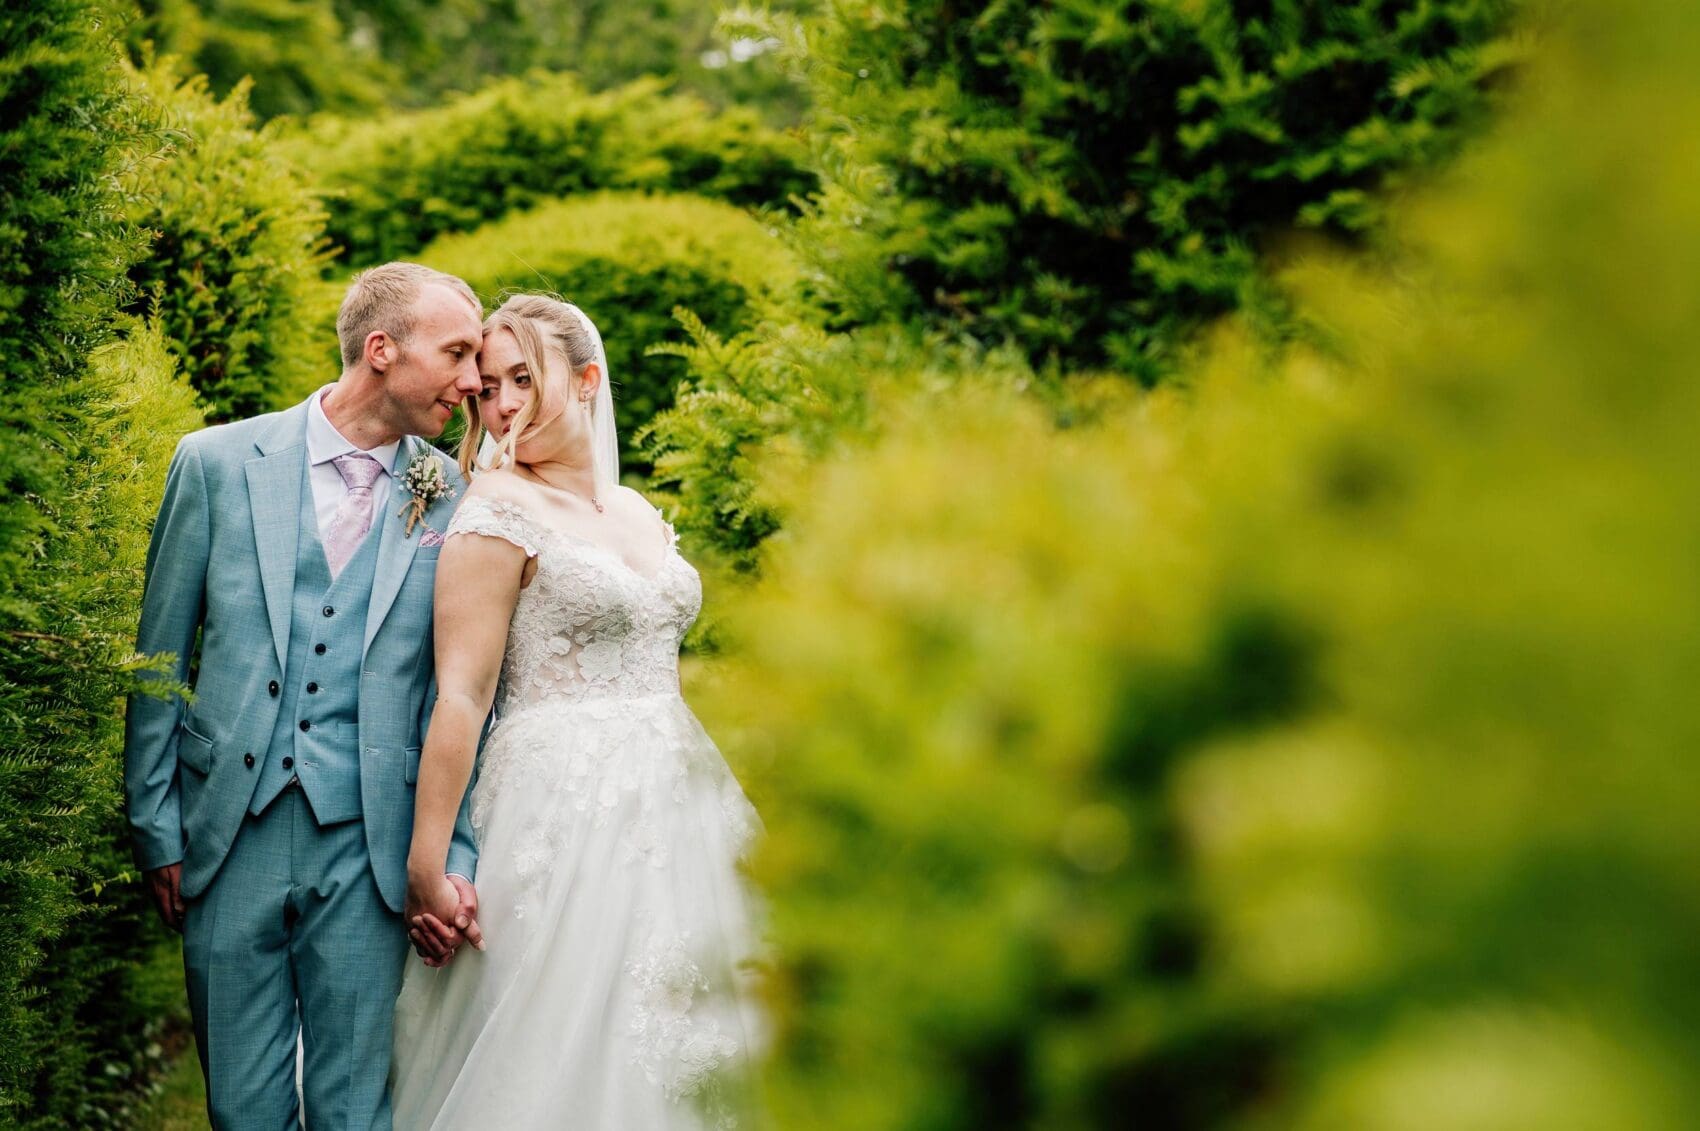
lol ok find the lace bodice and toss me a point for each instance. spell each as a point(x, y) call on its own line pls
point(588, 626)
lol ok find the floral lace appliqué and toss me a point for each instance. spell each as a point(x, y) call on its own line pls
point(675, 1046)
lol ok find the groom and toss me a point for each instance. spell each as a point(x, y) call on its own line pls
point(272, 814)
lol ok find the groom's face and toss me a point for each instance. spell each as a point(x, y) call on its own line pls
point(438, 366)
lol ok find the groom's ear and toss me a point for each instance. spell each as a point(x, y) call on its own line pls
point(380, 350)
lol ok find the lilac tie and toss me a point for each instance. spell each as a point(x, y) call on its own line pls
point(353, 517)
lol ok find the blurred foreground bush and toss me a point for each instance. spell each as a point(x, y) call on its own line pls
point(629, 260)
point(1309, 748)
point(1093, 180)
point(233, 272)
point(397, 182)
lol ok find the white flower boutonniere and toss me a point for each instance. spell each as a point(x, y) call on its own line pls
point(425, 482)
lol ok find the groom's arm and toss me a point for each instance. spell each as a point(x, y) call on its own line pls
point(173, 600)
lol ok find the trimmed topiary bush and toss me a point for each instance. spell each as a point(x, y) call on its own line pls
point(233, 273)
point(397, 182)
point(630, 261)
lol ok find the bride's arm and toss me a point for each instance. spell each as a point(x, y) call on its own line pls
point(478, 583)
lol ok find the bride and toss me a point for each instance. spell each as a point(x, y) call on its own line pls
point(609, 988)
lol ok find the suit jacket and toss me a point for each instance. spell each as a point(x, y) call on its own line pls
point(220, 570)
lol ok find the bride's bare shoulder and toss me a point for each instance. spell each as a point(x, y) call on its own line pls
point(501, 485)
point(636, 504)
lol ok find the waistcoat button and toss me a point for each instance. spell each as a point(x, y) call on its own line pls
point(248, 760)
point(305, 725)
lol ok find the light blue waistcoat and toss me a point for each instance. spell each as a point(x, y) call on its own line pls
point(321, 689)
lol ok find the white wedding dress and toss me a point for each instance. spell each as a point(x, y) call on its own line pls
point(613, 992)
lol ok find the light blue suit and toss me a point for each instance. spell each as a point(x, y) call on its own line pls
point(286, 790)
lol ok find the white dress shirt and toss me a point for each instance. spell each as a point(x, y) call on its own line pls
point(325, 443)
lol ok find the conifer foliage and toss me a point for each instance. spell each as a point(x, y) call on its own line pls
point(231, 275)
point(83, 423)
point(1091, 179)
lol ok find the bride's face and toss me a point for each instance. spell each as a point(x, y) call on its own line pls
point(506, 383)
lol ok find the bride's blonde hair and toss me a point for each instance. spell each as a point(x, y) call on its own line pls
point(540, 324)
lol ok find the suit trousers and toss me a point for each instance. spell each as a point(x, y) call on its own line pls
point(292, 937)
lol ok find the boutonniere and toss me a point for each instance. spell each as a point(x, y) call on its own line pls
point(425, 482)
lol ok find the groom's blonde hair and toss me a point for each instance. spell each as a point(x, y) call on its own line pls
point(382, 298)
point(539, 324)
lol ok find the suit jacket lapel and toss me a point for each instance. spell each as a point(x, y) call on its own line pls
point(395, 548)
point(274, 499)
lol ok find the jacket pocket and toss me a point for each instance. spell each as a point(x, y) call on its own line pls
point(410, 760)
point(194, 749)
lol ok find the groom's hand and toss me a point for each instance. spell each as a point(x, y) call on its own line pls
point(441, 914)
point(165, 885)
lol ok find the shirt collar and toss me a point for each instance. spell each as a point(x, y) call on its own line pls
point(325, 443)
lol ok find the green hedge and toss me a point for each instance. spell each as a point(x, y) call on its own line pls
point(66, 133)
point(100, 1005)
point(233, 272)
point(629, 260)
point(297, 55)
point(399, 181)
point(1092, 180)
point(1308, 748)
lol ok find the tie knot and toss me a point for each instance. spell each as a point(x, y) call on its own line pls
point(358, 470)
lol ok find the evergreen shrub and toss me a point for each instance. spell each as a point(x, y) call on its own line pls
point(81, 1015)
point(1092, 180)
point(297, 56)
point(629, 261)
point(1307, 748)
point(757, 408)
point(396, 182)
point(233, 273)
point(66, 134)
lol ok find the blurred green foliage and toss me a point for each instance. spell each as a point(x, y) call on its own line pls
point(297, 56)
point(352, 56)
point(398, 181)
point(1026, 186)
point(232, 276)
point(1304, 747)
point(629, 261)
point(1092, 180)
point(763, 404)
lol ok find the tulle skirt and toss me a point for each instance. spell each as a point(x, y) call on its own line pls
point(615, 990)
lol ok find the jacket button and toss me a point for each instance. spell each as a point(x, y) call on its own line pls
point(318, 649)
point(312, 689)
point(289, 763)
point(248, 760)
point(305, 725)
point(272, 687)
point(330, 612)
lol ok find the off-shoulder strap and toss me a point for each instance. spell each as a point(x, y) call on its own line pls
point(496, 518)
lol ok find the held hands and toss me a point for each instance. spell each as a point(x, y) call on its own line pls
point(441, 914)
